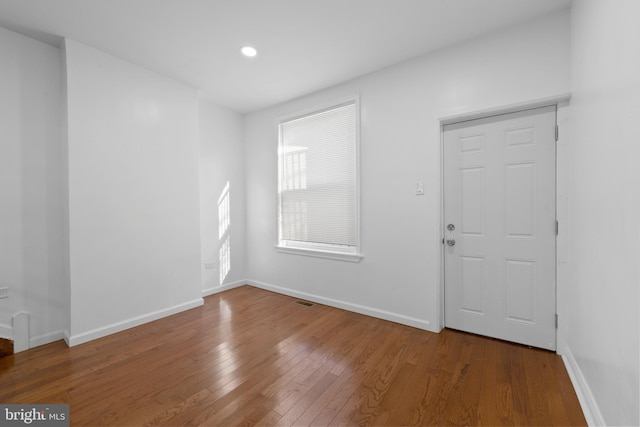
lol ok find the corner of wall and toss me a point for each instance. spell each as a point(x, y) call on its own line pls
point(224, 287)
point(103, 331)
point(66, 285)
point(587, 401)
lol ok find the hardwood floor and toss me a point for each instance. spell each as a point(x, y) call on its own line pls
point(6, 347)
point(252, 357)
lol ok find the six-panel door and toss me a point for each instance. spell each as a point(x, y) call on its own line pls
point(499, 195)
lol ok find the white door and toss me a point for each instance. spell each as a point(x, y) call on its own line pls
point(499, 208)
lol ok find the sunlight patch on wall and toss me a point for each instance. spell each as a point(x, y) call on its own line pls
point(224, 217)
point(224, 224)
point(225, 259)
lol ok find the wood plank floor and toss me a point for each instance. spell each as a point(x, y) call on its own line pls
point(6, 347)
point(252, 357)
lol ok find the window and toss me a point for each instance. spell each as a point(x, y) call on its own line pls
point(318, 182)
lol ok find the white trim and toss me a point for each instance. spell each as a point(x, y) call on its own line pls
point(326, 106)
point(559, 100)
point(356, 308)
point(313, 246)
point(46, 338)
point(6, 331)
point(505, 109)
point(441, 320)
point(130, 323)
point(222, 288)
point(319, 108)
point(588, 403)
point(563, 161)
point(21, 331)
point(340, 256)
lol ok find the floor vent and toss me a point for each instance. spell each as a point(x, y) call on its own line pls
point(305, 303)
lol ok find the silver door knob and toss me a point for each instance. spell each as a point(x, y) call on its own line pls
point(450, 240)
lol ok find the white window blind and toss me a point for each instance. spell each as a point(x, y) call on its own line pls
point(318, 206)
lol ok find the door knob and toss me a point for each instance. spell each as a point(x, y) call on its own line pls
point(451, 242)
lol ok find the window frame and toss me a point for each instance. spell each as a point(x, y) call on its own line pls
point(351, 254)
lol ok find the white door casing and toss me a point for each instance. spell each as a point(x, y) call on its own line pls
point(499, 194)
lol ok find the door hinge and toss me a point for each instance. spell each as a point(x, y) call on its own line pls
point(557, 227)
point(556, 321)
point(557, 133)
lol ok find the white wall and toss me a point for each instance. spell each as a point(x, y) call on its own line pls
point(221, 163)
point(31, 263)
point(604, 211)
point(135, 202)
point(139, 195)
point(399, 278)
point(134, 211)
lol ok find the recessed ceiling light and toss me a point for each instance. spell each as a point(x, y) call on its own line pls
point(249, 51)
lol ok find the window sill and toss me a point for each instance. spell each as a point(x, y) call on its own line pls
point(339, 256)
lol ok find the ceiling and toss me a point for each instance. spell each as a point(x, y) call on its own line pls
point(303, 45)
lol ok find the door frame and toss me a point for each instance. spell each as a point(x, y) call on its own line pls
point(561, 102)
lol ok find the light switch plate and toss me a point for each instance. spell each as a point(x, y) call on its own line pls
point(419, 188)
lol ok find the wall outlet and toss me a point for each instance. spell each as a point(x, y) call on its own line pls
point(4, 293)
point(209, 265)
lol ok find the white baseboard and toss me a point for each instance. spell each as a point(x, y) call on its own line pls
point(588, 403)
point(21, 331)
point(225, 287)
point(84, 337)
point(6, 331)
point(46, 339)
point(373, 312)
